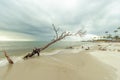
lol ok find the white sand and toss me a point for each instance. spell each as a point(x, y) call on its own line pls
point(67, 64)
point(110, 58)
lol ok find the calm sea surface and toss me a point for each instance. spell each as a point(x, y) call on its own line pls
point(21, 48)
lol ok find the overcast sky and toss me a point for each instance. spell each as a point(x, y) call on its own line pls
point(32, 19)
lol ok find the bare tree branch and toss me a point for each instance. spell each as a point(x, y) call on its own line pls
point(56, 30)
point(63, 35)
point(58, 38)
point(81, 32)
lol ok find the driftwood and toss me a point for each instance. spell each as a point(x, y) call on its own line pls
point(8, 58)
point(70, 47)
point(57, 38)
point(35, 51)
point(62, 36)
point(87, 48)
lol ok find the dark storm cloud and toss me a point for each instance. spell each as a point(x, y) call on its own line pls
point(34, 17)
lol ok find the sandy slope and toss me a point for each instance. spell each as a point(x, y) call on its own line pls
point(68, 64)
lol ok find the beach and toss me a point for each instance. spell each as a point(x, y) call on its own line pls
point(98, 62)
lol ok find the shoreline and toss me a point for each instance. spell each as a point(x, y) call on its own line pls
point(68, 64)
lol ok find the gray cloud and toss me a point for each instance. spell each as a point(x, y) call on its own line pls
point(33, 18)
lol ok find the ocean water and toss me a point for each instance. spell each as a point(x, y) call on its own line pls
point(21, 48)
point(16, 50)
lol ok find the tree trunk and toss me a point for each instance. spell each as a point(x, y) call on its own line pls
point(52, 43)
point(8, 58)
point(57, 38)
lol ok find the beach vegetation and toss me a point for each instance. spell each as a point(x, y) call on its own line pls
point(109, 36)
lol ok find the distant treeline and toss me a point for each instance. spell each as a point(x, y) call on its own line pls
point(109, 36)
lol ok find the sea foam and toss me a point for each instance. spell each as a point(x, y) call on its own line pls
point(4, 62)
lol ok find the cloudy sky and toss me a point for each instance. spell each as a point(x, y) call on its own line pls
point(32, 19)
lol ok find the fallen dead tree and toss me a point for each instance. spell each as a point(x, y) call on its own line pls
point(57, 38)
